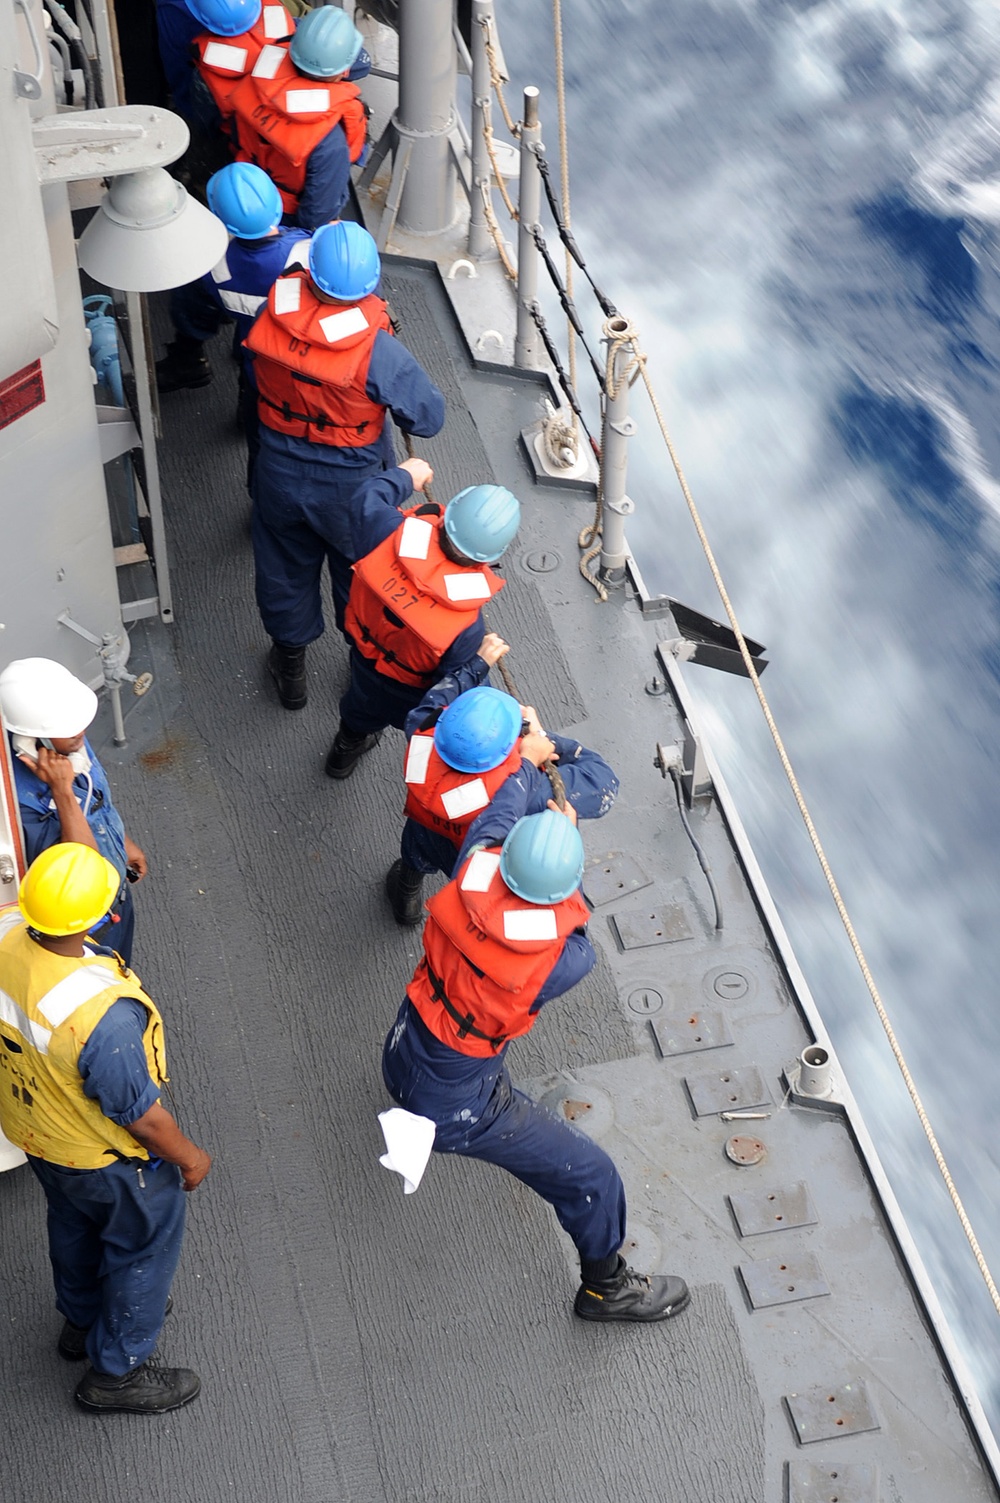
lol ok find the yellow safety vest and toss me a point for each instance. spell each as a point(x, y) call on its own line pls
point(49, 1007)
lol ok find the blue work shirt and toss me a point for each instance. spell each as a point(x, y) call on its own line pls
point(176, 30)
point(112, 1063)
point(40, 821)
point(237, 286)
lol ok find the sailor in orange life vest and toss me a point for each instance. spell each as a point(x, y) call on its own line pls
point(82, 1067)
point(327, 370)
point(463, 749)
point(414, 612)
point(298, 115)
point(506, 935)
point(234, 34)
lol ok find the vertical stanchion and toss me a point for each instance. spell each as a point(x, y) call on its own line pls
point(529, 206)
point(424, 172)
point(480, 240)
point(616, 431)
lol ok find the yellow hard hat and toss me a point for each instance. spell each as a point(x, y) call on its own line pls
point(67, 889)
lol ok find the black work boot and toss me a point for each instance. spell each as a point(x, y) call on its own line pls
point(347, 750)
point(287, 666)
point(403, 888)
point(184, 364)
point(628, 1295)
point(72, 1343)
point(148, 1389)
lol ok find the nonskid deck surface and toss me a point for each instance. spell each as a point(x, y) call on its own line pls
point(358, 1345)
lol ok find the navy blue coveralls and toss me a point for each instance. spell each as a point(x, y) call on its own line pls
point(327, 186)
point(41, 826)
point(303, 492)
point(234, 291)
point(591, 785)
point(480, 1114)
point(373, 700)
point(115, 1233)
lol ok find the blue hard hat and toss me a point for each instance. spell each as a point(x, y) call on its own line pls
point(542, 857)
point(343, 260)
point(245, 199)
point(326, 42)
point(227, 18)
point(482, 521)
point(478, 729)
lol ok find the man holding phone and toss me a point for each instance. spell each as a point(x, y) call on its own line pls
point(62, 789)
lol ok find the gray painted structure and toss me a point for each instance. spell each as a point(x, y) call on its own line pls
point(356, 1344)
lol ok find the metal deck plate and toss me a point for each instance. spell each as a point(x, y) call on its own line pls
point(759, 1211)
point(853, 1483)
point(665, 925)
point(783, 1281)
point(727, 1091)
point(612, 876)
point(692, 1032)
point(825, 1413)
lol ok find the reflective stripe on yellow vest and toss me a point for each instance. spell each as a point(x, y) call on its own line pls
point(49, 1007)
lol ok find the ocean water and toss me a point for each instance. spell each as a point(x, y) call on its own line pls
point(799, 206)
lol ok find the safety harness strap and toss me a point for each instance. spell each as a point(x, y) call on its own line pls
point(465, 1023)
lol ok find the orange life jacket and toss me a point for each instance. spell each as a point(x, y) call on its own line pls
point(487, 955)
point(282, 116)
point(223, 61)
point(312, 363)
point(408, 602)
point(443, 799)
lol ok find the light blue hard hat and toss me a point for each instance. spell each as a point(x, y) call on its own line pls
point(482, 521)
point(326, 42)
point(542, 857)
point(245, 199)
point(478, 729)
point(227, 18)
point(343, 260)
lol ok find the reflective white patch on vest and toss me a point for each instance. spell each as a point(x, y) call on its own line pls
point(480, 871)
point(341, 325)
point(10, 918)
point(530, 923)
point(414, 538)
point(299, 254)
point(12, 1015)
point(277, 22)
point(73, 990)
point(287, 296)
point(241, 302)
point(306, 101)
point(224, 55)
point(465, 798)
point(220, 272)
point(268, 62)
point(467, 586)
point(417, 758)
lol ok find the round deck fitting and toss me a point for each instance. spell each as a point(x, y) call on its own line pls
point(645, 1000)
point(744, 1150)
point(542, 561)
point(585, 1107)
point(729, 982)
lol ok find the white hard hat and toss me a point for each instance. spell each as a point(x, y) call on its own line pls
point(41, 698)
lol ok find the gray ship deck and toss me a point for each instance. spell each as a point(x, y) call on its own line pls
point(356, 1344)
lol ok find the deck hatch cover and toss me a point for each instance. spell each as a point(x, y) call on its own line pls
point(782, 1281)
point(727, 1091)
point(759, 1211)
point(826, 1413)
point(612, 876)
point(847, 1483)
point(692, 1032)
point(665, 925)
